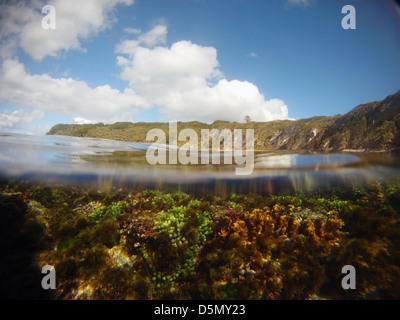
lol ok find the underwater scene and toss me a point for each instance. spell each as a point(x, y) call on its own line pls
point(114, 227)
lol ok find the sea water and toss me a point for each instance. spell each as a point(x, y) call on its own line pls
point(92, 160)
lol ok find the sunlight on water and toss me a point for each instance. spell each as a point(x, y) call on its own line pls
point(297, 161)
point(124, 163)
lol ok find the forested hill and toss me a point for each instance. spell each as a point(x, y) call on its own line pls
point(371, 126)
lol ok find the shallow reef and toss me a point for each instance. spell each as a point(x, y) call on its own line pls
point(150, 244)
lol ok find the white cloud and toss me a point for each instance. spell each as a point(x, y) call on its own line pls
point(253, 55)
point(186, 83)
point(21, 25)
point(184, 66)
point(156, 36)
point(132, 30)
point(66, 96)
point(227, 100)
point(152, 38)
point(299, 2)
point(19, 118)
point(183, 80)
point(79, 120)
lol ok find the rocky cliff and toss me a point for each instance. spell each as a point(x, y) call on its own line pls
point(370, 126)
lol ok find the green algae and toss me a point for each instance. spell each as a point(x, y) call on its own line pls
point(66, 244)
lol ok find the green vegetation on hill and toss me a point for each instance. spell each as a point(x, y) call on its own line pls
point(371, 126)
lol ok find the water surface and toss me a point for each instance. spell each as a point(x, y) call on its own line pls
point(73, 159)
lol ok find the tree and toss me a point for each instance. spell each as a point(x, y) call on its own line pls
point(247, 119)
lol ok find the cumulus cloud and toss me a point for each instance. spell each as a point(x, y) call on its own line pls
point(21, 25)
point(156, 36)
point(19, 118)
point(183, 80)
point(65, 96)
point(186, 83)
point(152, 38)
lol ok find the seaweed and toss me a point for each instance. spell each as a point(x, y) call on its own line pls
point(150, 244)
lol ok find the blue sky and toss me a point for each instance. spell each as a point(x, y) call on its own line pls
point(162, 60)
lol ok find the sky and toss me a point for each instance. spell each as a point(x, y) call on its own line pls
point(183, 60)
